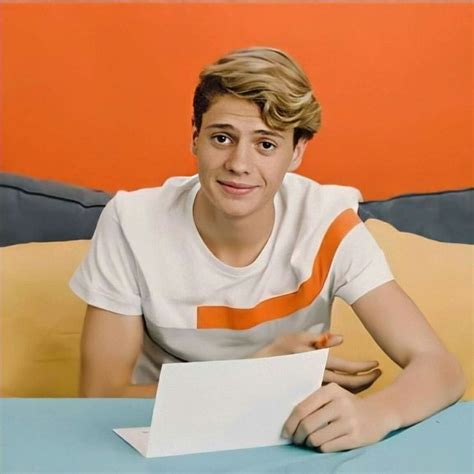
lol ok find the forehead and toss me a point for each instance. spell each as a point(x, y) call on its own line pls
point(241, 114)
point(230, 105)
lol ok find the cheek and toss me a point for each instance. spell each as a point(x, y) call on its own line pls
point(209, 159)
point(206, 164)
point(275, 169)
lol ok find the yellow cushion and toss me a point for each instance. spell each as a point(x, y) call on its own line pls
point(41, 319)
point(438, 277)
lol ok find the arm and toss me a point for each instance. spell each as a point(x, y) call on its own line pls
point(334, 419)
point(110, 346)
point(432, 378)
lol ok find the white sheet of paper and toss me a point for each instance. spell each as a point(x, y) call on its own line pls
point(228, 404)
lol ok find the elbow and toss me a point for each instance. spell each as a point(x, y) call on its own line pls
point(462, 381)
point(454, 376)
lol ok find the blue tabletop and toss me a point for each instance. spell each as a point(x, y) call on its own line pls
point(75, 436)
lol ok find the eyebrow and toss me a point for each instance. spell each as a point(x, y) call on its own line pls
point(228, 126)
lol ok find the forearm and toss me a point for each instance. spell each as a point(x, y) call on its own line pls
point(428, 383)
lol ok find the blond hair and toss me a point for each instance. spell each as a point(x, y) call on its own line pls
point(268, 77)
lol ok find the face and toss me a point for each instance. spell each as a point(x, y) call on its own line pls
point(241, 161)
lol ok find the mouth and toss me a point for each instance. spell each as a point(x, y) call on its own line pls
point(234, 188)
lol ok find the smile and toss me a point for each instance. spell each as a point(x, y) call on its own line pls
point(236, 189)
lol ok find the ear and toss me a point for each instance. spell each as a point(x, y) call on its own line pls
point(195, 135)
point(298, 153)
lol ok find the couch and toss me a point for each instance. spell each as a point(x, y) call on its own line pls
point(46, 226)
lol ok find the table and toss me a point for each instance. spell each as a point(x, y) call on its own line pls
point(75, 436)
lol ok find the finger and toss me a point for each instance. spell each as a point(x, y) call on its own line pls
point(314, 422)
point(350, 366)
point(352, 382)
point(317, 341)
point(327, 340)
point(310, 404)
point(330, 432)
point(299, 349)
point(362, 388)
point(339, 444)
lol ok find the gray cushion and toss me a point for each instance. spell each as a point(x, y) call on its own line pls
point(36, 210)
point(445, 216)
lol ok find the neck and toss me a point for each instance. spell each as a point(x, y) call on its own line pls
point(234, 240)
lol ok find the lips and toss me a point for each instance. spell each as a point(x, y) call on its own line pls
point(237, 185)
point(236, 190)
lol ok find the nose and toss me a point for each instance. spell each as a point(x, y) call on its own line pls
point(239, 159)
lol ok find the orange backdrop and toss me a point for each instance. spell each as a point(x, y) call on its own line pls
point(100, 94)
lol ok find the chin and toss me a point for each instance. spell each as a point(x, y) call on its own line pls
point(235, 213)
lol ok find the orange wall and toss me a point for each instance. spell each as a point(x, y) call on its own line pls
point(100, 94)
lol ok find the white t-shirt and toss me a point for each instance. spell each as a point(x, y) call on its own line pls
point(147, 257)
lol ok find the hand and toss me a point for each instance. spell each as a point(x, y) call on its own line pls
point(351, 375)
point(296, 342)
point(334, 419)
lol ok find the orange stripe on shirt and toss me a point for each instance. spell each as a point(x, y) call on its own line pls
point(225, 317)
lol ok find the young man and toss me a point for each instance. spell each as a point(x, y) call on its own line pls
point(244, 260)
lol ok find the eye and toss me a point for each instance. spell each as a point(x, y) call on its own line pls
point(221, 139)
point(267, 146)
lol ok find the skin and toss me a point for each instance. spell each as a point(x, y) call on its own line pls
point(235, 144)
point(334, 419)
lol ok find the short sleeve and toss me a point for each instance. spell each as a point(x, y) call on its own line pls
point(106, 278)
point(359, 265)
